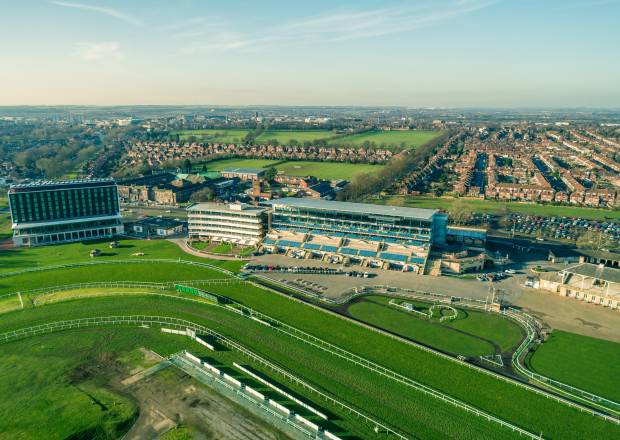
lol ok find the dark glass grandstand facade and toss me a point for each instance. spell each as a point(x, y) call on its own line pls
point(52, 212)
point(29, 204)
point(356, 220)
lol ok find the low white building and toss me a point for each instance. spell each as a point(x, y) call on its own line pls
point(235, 223)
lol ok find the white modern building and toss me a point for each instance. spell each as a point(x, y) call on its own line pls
point(235, 223)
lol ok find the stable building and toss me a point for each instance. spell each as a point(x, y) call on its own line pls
point(592, 283)
point(48, 212)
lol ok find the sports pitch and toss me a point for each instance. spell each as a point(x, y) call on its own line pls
point(321, 170)
point(217, 135)
point(385, 139)
point(394, 138)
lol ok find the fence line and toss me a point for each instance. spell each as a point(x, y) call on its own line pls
point(136, 261)
point(370, 365)
point(142, 320)
point(523, 319)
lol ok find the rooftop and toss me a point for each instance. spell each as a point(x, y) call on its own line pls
point(359, 208)
point(243, 170)
point(45, 185)
point(159, 221)
point(221, 207)
point(600, 272)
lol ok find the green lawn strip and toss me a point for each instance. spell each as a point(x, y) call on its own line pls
point(285, 136)
point(406, 324)
point(508, 401)
point(326, 170)
point(393, 138)
point(47, 395)
point(384, 398)
point(496, 207)
point(213, 135)
point(219, 165)
point(23, 258)
point(581, 361)
point(138, 272)
point(5, 226)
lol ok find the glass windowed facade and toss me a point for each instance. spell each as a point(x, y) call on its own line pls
point(359, 220)
point(53, 212)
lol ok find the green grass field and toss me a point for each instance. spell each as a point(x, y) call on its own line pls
point(322, 170)
point(57, 383)
point(326, 170)
point(385, 398)
point(394, 138)
point(471, 334)
point(5, 225)
point(22, 258)
point(388, 139)
point(587, 363)
point(219, 165)
point(493, 207)
point(285, 136)
point(226, 136)
point(400, 406)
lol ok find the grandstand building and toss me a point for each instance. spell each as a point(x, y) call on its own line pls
point(48, 212)
point(371, 235)
point(235, 223)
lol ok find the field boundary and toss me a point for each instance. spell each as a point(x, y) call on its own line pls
point(514, 314)
point(146, 320)
point(94, 263)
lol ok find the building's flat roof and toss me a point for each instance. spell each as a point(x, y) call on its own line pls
point(46, 185)
point(224, 207)
point(600, 272)
point(243, 170)
point(163, 222)
point(358, 208)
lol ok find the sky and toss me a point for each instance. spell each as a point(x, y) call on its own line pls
point(417, 53)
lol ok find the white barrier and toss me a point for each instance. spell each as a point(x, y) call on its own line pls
point(281, 391)
point(232, 380)
point(260, 321)
point(331, 436)
point(255, 393)
point(279, 407)
point(192, 358)
point(211, 368)
point(174, 332)
point(205, 343)
point(306, 422)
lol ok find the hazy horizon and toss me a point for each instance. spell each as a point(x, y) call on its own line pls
point(459, 54)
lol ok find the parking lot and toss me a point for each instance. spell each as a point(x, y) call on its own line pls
point(560, 228)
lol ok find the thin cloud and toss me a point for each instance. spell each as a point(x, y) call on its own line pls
point(104, 51)
point(340, 26)
point(110, 12)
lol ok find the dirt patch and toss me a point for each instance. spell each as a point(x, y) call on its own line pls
point(170, 398)
point(571, 315)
